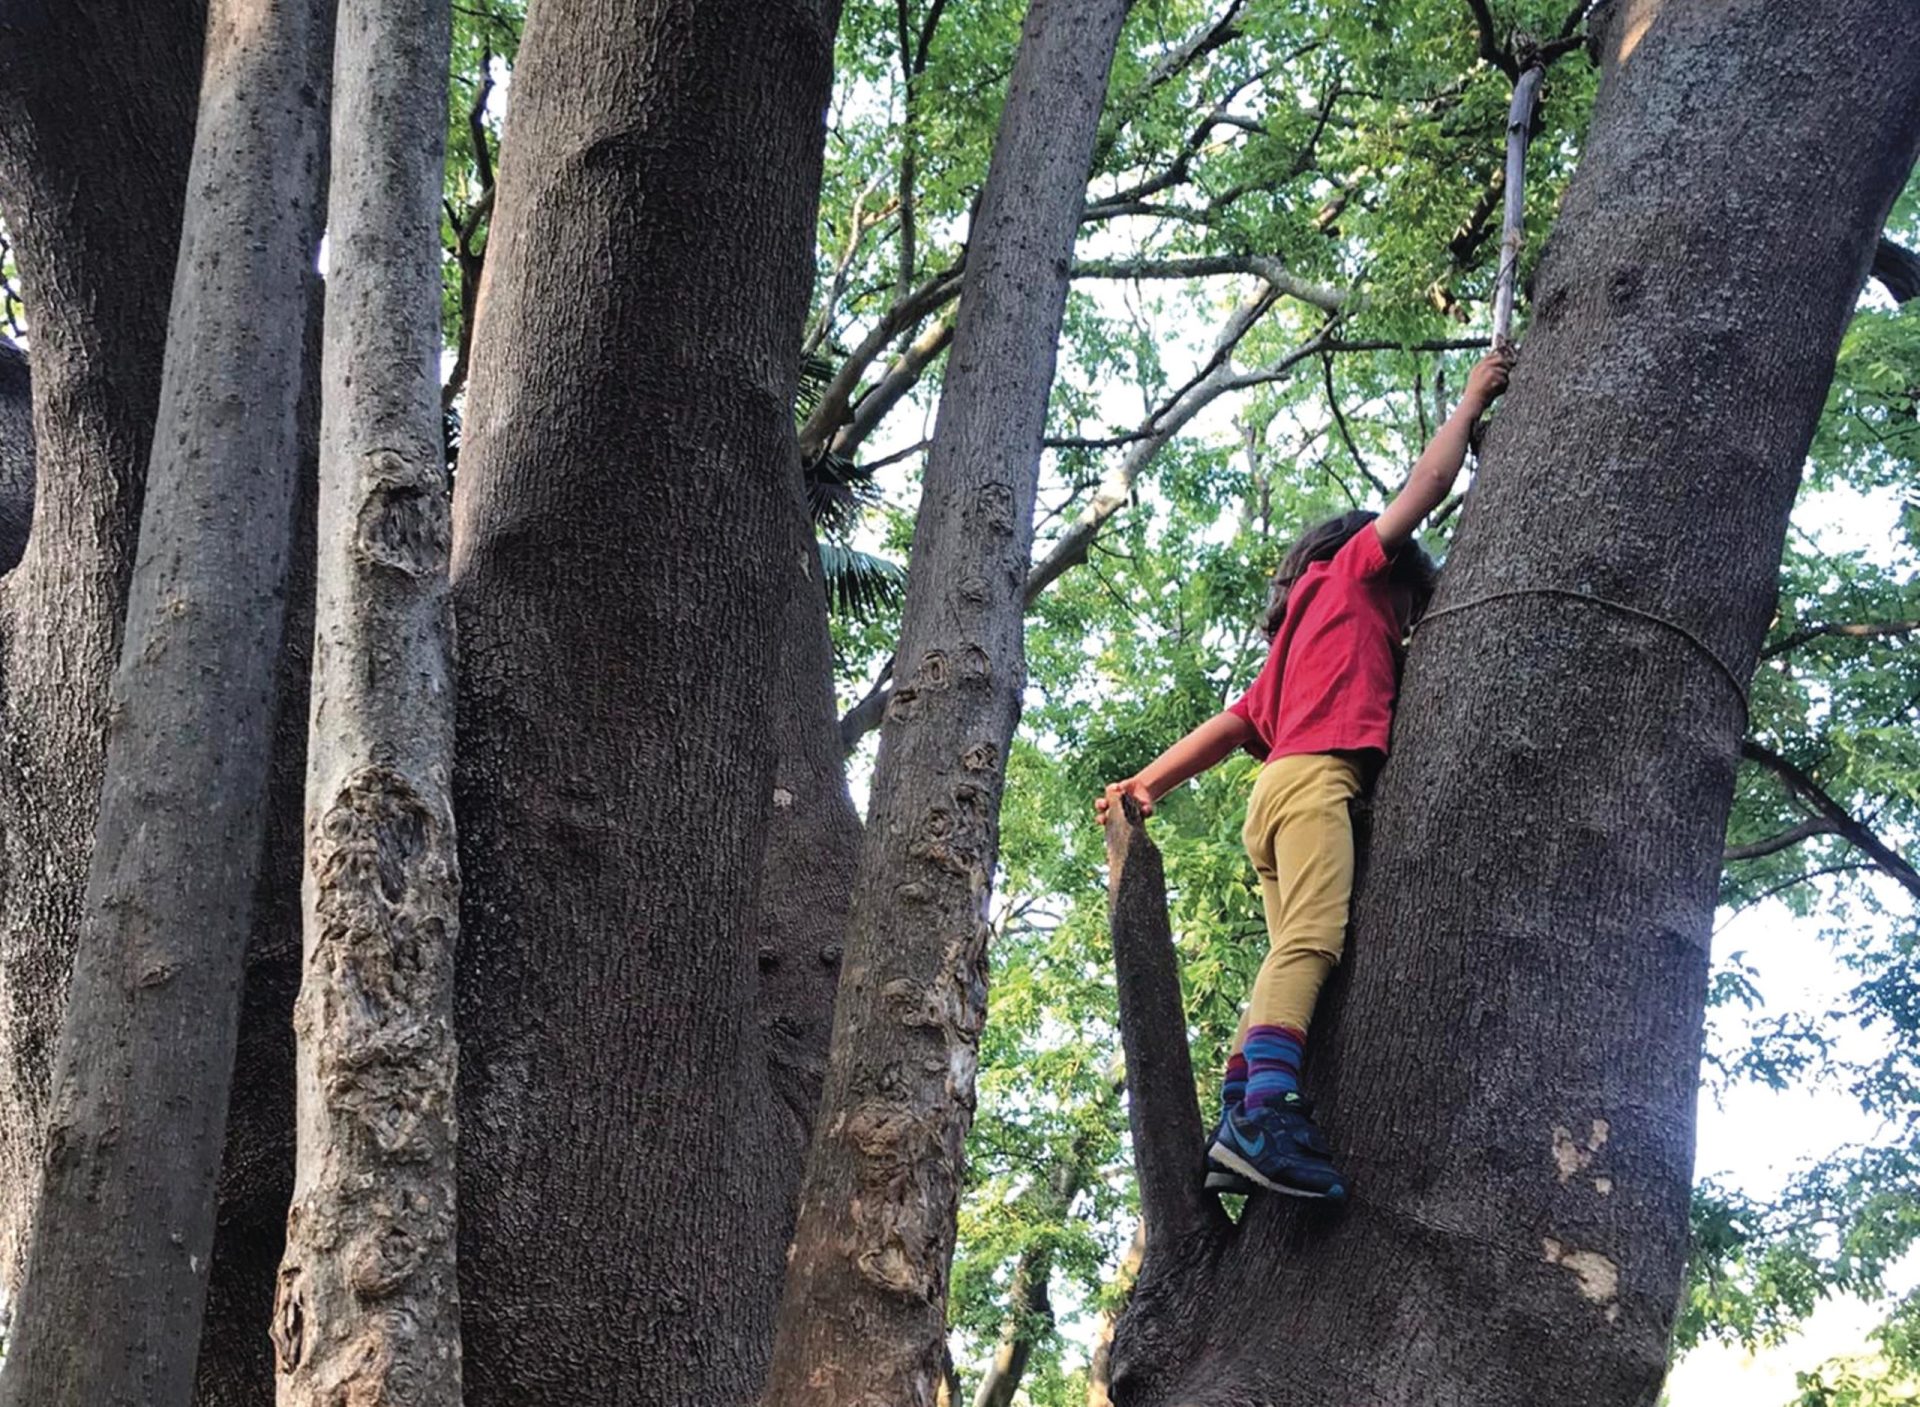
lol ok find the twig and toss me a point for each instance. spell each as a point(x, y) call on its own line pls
point(1346, 434)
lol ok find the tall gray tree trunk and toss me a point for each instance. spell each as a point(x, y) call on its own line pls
point(101, 96)
point(1510, 1071)
point(94, 97)
point(621, 565)
point(124, 1214)
point(367, 1308)
point(863, 1321)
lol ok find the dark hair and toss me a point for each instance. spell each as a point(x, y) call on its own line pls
point(1412, 569)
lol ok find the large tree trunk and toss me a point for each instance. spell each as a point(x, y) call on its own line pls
point(95, 140)
point(1511, 1076)
point(367, 1309)
point(97, 107)
point(620, 569)
point(863, 1322)
point(813, 845)
point(124, 1213)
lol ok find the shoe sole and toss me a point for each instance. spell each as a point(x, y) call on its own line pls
point(1220, 1180)
point(1231, 1160)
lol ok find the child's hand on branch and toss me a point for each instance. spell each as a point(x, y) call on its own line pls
point(1133, 787)
point(1488, 379)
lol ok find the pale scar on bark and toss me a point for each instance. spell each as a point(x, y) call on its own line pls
point(1571, 1157)
point(1598, 1277)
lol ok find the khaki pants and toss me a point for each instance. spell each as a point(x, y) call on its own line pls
point(1300, 838)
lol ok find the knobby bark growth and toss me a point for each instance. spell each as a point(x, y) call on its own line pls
point(124, 1214)
point(1509, 1068)
point(367, 1309)
point(622, 559)
point(863, 1318)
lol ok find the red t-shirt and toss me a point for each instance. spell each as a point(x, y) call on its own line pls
point(1330, 678)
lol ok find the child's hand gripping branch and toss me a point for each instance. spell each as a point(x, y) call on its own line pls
point(1319, 715)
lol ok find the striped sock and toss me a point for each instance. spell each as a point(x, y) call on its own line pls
point(1273, 1063)
point(1233, 1089)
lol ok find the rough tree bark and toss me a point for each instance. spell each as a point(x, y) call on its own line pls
point(619, 514)
point(367, 1309)
point(1510, 1072)
point(16, 460)
point(813, 844)
point(97, 107)
point(96, 133)
point(863, 1319)
point(124, 1213)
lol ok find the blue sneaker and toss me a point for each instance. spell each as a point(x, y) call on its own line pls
point(1277, 1147)
point(1225, 1180)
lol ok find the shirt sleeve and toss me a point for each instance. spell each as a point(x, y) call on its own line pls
point(1262, 701)
point(1362, 556)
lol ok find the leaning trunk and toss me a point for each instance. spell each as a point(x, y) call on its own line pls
point(85, 107)
point(1510, 1072)
point(619, 513)
point(863, 1319)
point(367, 1309)
point(124, 1214)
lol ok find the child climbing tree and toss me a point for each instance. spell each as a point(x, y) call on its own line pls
point(1512, 1065)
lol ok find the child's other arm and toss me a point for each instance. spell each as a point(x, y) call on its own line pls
point(1439, 464)
point(1192, 755)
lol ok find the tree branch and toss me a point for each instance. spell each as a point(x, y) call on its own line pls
point(880, 399)
point(1272, 271)
point(1346, 435)
point(1785, 840)
point(865, 716)
point(1116, 487)
point(1100, 1366)
point(466, 229)
point(1844, 824)
point(1490, 47)
point(1161, 1107)
point(1898, 269)
point(1851, 630)
point(835, 401)
point(1177, 60)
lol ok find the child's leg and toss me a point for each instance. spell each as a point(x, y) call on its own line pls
point(1300, 838)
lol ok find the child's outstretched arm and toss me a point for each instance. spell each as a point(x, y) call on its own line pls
point(1439, 464)
point(1189, 757)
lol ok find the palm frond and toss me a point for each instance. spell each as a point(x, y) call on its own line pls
point(859, 584)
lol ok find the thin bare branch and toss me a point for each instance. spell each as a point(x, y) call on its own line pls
point(879, 400)
point(1845, 825)
point(1346, 434)
point(1784, 840)
point(1116, 487)
point(1849, 630)
point(1177, 60)
point(1271, 270)
point(836, 400)
point(864, 716)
